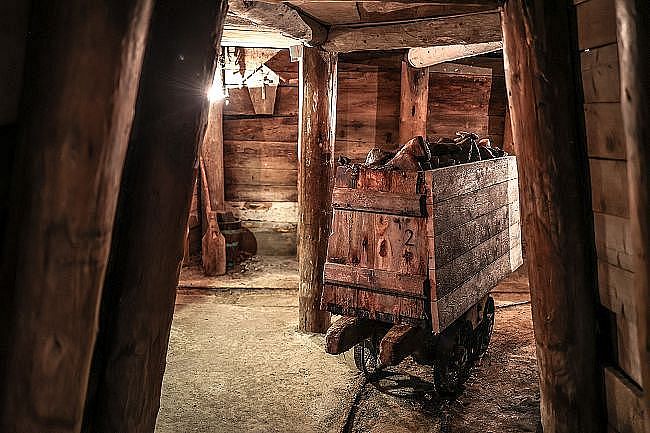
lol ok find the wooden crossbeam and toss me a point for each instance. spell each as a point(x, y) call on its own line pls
point(283, 18)
point(398, 343)
point(460, 29)
point(348, 331)
point(421, 57)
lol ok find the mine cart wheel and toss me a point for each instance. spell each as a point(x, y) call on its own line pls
point(454, 362)
point(483, 332)
point(365, 356)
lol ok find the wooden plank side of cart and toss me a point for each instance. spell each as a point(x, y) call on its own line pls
point(475, 234)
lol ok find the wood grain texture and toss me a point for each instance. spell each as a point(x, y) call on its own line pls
point(600, 74)
point(266, 129)
point(604, 124)
point(368, 107)
point(212, 152)
point(450, 182)
point(377, 280)
point(269, 193)
point(399, 342)
point(467, 207)
point(617, 293)
point(414, 94)
point(242, 154)
point(454, 273)
point(359, 302)
point(614, 240)
point(318, 78)
point(467, 29)
point(239, 102)
point(236, 176)
point(466, 236)
point(401, 244)
point(633, 47)
point(74, 125)
point(147, 248)
point(596, 23)
point(383, 202)
point(346, 332)
point(213, 243)
point(428, 56)
point(609, 187)
point(457, 302)
point(541, 78)
point(625, 407)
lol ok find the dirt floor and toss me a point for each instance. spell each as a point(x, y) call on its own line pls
point(237, 364)
point(258, 272)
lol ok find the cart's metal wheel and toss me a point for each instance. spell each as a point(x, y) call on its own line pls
point(452, 368)
point(485, 328)
point(365, 357)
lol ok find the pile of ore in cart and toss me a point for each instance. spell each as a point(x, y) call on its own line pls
point(418, 239)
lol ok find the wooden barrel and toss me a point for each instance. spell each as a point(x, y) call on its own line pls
point(232, 231)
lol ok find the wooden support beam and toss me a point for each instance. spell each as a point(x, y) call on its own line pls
point(414, 97)
point(348, 331)
point(140, 284)
point(398, 343)
point(213, 243)
point(316, 132)
point(460, 29)
point(490, 3)
point(422, 57)
point(542, 78)
point(282, 17)
point(82, 66)
point(633, 48)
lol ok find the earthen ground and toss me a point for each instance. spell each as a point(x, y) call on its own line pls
point(236, 363)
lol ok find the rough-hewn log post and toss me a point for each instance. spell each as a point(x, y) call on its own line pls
point(414, 96)
point(633, 17)
point(140, 285)
point(212, 187)
point(315, 170)
point(83, 62)
point(542, 79)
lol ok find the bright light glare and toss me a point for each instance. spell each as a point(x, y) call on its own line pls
point(215, 93)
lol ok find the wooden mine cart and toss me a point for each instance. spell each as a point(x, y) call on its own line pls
point(411, 259)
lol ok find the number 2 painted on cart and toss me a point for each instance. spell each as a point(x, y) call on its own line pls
point(408, 242)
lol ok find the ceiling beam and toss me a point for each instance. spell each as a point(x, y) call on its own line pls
point(281, 17)
point(250, 38)
point(422, 57)
point(491, 3)
point(460, 29)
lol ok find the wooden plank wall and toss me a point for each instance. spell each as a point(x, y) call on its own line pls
point(367, 112)
point(260, 161)
point(607, 162)
point(260, 151)
point(465, 95)
point(468, 95)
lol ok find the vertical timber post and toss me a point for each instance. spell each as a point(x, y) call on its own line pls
point(140, 284)
point(633, 17)
point(83, 61)
point(541, 77)
point(414, 98)
point(213, 243)
point(316, 133)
